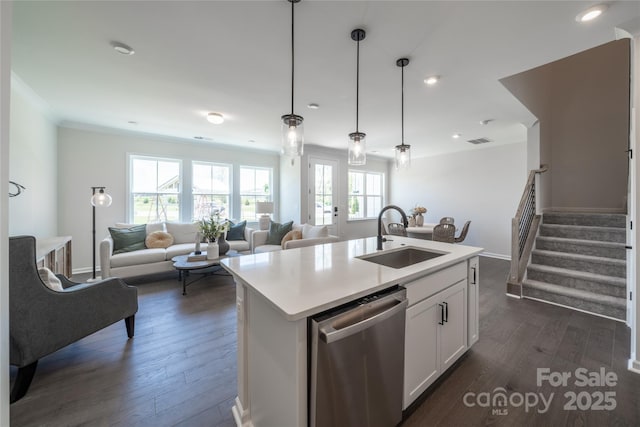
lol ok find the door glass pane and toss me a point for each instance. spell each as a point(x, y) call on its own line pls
point(324, 194)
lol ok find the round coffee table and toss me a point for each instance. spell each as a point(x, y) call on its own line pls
point(203, 268)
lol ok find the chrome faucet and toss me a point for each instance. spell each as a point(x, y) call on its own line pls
point(405, 221)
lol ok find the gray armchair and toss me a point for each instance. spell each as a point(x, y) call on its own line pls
point(43, 321)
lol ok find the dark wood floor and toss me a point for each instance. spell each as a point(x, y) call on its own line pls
point(180, 369)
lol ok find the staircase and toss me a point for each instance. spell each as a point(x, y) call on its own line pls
point(579, 261)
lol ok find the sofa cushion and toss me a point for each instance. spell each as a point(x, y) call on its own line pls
point(183, 232)
point(236, 232)
point(277, 232)
point(158, 239)
point(267, 248)
point(151, 227)
point(312, 231)
point(50, 279)
point(292, 235)
point(180, 249)
point(239, 245)
point(128, 239)
point(143, 256)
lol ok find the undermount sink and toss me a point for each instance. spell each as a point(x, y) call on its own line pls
point(403, 257)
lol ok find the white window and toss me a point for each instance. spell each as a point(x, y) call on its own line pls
point(211, 191)
point(365, 194)
point(255, 186)
point(155, 189)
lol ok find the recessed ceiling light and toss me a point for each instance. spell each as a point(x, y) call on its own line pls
point(131, 122)
point(591, 13)
point(252, 140)
point(313, 106)
point(486, 122)
point(122, 48)
point(432, 80)
point(215, 118)
point(456, 136)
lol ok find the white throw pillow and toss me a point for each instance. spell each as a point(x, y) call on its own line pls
point(50, 279)
point(312, 231)
point(183, 232)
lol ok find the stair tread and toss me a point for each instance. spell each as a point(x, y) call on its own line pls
point(582, 242)
point(588, 227)
point(576, 293)
point(612, 280)
point(592, 258)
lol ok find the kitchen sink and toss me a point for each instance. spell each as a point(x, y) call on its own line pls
point(403, 257)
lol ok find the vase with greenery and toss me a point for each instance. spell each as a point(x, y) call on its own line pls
point(417, 213)
point(213, 229)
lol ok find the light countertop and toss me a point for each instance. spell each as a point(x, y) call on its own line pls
point(305, 281)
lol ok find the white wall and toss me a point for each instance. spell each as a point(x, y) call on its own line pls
point(89, 157)
point(483, 186)
point(33, 164)
point(347, 229)
point(5, 91)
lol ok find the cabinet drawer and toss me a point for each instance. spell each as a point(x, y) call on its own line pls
point(424, 287)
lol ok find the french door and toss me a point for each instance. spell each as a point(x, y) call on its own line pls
point(323, 193)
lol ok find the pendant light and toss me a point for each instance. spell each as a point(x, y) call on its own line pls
point(292, 127)
point(357, 142)
point(403, 151)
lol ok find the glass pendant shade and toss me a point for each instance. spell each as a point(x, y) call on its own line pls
point(292, 135)
point(357, 149)
point(403, 156)
point(101, 199)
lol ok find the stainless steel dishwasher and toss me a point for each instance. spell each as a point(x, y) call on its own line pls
point(357, 359)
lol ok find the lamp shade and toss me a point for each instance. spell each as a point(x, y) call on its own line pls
point(264, 207)
point(101, 199)
point(403, 156)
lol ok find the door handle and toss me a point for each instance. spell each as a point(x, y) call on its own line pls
point(446, 312)
point(474, 275)
point(441, 322)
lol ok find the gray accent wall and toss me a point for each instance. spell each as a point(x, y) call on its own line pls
point(582, 102)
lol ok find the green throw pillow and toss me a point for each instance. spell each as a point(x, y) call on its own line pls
point(128, 239)
point(277, 232)
point(236, 232)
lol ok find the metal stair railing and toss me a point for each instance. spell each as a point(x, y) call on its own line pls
point(524, 227)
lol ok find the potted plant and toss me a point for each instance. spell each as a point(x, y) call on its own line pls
point(417, 212)
point(213, 229)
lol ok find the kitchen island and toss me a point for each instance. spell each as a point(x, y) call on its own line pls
point(278, 292)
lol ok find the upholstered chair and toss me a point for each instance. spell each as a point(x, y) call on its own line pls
point(444, 233)
point(43, 320)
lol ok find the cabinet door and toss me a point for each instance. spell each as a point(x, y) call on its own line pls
point(453, 334)
point(473, 331)
point(421, 357)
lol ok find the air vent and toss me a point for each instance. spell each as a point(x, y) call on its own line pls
point(477, 141)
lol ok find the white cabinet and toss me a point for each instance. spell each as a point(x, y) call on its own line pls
point(435, 337)
point(473, 293)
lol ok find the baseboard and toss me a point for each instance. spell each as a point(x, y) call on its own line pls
point(573, 308)
point(83, 270)
point(498, 256)
point(634, 366)
point(585, 210)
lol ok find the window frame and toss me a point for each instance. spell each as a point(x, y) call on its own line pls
point(241, 195)
point(365, 195)
point(229, 194)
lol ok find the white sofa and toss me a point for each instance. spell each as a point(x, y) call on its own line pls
point(156, 260)
point(311, 235)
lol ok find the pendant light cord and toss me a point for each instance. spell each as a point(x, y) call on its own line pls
point(357, 83)
point(402, 107)
point(292, 57)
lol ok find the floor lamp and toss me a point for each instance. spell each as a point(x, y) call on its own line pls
point(100, 199)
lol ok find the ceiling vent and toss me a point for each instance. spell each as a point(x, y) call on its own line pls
point(477, 141)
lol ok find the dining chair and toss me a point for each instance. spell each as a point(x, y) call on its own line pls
point(463, 233)
point(444, 233)
point(447, 220)
point(397, 229)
